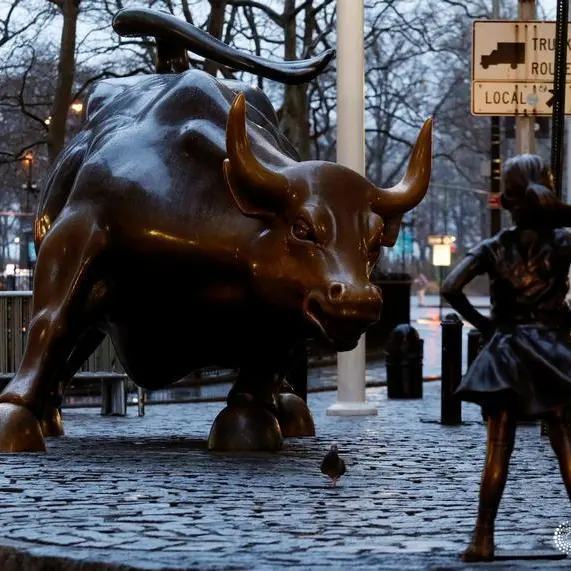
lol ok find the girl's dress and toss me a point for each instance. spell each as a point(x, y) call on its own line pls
point(526, 365)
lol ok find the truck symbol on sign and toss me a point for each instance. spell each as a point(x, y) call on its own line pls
point(506, 52)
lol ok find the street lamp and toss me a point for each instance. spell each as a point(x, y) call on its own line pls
point(351, 397)
point(441, 258)
point(28, 162)
point(29, 187)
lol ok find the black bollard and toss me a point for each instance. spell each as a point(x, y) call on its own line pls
point(450, 405)
point(405, 350)
point(475, 344)
point(114, 397)
point(141, 401)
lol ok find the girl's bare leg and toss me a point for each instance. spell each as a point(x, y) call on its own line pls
point(559, 428)
point(501, 436)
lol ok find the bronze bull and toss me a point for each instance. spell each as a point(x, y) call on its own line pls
point(179, 223)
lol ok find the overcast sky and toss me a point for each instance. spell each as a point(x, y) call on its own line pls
point(549, 6)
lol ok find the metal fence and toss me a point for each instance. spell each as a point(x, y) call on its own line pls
point(102, 366)
point(15, 316)
point(209, 383)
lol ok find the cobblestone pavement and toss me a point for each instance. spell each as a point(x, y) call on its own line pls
point(145, 493)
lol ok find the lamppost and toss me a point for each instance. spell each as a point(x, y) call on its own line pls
point(351, 397)
point(29, 187)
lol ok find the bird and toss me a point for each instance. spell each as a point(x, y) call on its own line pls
point(333, 465)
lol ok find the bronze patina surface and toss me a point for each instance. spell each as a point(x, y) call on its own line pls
point(179, 222)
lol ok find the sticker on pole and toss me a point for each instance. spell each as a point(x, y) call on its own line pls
point(494, 201)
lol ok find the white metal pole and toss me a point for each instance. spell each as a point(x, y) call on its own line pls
point(351, 400)
point(525, 126)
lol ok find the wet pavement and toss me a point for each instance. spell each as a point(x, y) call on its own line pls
point(144, 493)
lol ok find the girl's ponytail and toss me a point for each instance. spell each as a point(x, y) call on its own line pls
point(528, 194)
point(540, 205)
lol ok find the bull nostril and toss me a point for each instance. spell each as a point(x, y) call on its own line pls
point(336, 291)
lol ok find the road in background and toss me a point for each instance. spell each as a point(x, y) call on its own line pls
point(426, 320)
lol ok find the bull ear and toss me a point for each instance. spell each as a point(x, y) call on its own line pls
point(240, 198)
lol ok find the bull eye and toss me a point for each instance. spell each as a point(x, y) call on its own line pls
point(302, 231)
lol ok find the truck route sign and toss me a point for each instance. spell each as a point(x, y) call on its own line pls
point(513, 67)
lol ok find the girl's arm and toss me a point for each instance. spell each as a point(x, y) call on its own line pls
point(461, 275)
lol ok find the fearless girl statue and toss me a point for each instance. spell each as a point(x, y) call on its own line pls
point(524, 369)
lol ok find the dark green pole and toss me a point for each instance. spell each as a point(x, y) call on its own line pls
point(559, 86)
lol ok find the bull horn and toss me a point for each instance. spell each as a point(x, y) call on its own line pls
point(395, 201)
point(244, 165)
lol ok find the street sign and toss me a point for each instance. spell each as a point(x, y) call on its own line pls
point(513, 68)
point(515, 50)
point(441, 255)
point(494, 201)
point(435, 239)
point(501, 98)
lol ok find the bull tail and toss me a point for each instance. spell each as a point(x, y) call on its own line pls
point(174, 36)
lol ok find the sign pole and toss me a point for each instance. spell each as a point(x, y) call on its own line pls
point(559, 87)
point(567, 198)
point(496, 178)
point(525, 126)
point(441, 256)
point(351, 400)
point(495, 157)
point(441, 300)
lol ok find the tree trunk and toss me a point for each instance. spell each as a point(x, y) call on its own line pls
point(215, 28)
point(66, 74)
point(295, 111)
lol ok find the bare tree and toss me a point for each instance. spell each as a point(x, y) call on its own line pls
point(417, 64)
point(69, 10)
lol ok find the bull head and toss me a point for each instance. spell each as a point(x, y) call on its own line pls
point(317, 252)
point(271, 188)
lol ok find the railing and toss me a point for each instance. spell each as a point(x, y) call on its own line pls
point(103, 374)
point(103, 366)
point(15, 316)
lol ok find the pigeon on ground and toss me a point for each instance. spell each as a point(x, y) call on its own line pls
point(333, 465)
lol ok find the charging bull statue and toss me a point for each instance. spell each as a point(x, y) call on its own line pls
point(179, 222)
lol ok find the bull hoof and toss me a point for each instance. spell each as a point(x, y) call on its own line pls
point(245, 428)
point(294, 416)
point(19, 430)
point(51, 423)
